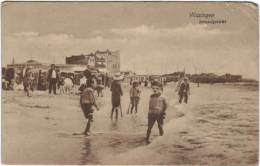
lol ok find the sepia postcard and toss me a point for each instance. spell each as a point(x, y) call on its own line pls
point(130, 83)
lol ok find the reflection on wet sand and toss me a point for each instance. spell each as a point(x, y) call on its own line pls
point(86, 154)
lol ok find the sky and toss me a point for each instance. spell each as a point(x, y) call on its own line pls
point(153, 37)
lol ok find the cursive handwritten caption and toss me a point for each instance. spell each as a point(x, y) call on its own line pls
point(207, 18)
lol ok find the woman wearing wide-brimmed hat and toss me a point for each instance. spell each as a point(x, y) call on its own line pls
point(116, 94)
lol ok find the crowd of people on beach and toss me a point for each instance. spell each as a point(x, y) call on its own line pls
point(30, 79)
point(90, 83)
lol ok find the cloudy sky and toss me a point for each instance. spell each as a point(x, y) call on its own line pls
point(152, 37)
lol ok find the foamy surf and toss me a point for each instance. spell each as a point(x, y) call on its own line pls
point(144, 154)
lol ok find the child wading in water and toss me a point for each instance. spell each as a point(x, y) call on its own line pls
point(134, 96)
point(157, 108)
point(99, 87)
point(87, 101)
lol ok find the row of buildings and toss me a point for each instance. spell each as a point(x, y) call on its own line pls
point(103, 61)
point(109, 62)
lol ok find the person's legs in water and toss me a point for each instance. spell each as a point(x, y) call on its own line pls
point(132, 103)
point(136, 104)
point(88, 113)
point(32, 86)
point(90, 120)
point(181, 96)
point(112, 111)
point(160, 124)
point(87, 129)
point(132, 107)
point(186, 98)
point(136, 108)
point(151, 121)
point(117, 113)
point(101, 91)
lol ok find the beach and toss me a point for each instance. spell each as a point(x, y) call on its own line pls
point(218, 126)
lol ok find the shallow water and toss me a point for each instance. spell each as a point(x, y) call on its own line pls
point(219, 126)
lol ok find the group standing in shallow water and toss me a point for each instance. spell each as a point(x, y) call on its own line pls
point(157, 103)
point(89, 83)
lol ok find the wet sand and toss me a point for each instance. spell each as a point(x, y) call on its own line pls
point(219, 126)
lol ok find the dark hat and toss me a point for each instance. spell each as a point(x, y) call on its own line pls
point(157, 83)
point(87, 73)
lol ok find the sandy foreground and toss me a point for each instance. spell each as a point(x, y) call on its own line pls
point(219, 126)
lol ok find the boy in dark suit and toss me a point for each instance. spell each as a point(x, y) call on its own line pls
point(157, 108)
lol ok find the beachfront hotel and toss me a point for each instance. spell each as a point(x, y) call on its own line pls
point(106, 61)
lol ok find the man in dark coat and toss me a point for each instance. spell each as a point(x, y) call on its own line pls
point(116, 95)
point(184, 91)
point(53, 77)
